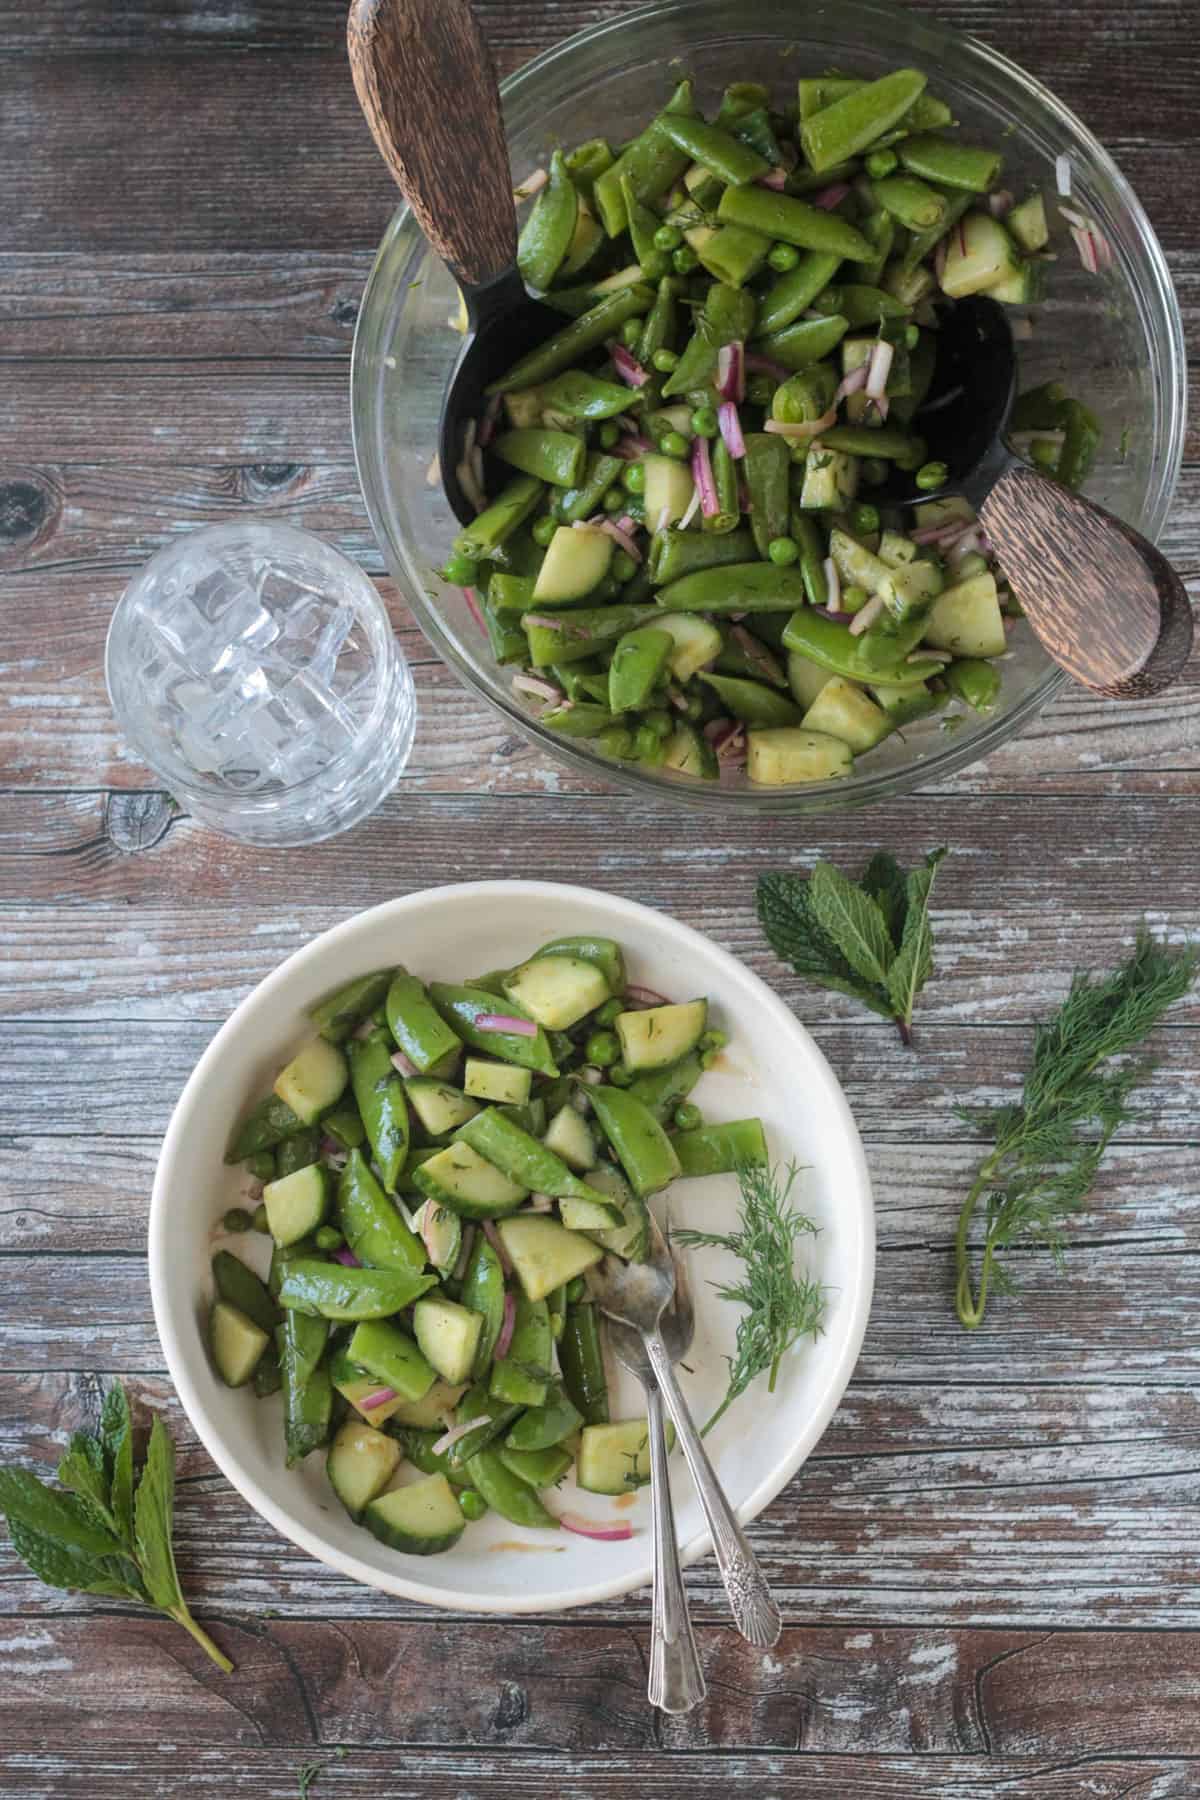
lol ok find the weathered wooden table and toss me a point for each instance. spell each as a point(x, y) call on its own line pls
point(989, 1567)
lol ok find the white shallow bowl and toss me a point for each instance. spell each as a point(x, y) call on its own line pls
point(772, 1068)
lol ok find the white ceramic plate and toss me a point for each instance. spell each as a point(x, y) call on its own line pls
point(772, 1068)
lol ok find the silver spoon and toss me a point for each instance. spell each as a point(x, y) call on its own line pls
point(676, 1683)
point(636, 1294)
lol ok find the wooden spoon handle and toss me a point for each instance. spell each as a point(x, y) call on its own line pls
point(1105, 603)
point(425, 81)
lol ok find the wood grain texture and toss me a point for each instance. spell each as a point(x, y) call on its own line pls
point(988, 1566)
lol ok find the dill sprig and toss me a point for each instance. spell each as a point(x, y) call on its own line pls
point(781, 1305)
point(1049, 1146)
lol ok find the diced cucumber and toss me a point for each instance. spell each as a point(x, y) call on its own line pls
point(440, 1108)
point(313, 1081)
point(605, 952)
point(830, 480)
point(896, 550)
point(1027, 222)
point(1022, 288)
point(904, 704)
point(421, 1520)
point(688, 753)
point(575, 563)
point(615, 1458)
point(908, 589)
point(298, 1203)
point(630, 1239)
point(557, 991)
point(953, 510)
point(856, 565)
point(544, 1253)
point(657, 1036)
point(501, 1083)
point(697, 641)
point(540, 1468)
point(790, 753)
point(359, 1388)
point(524, 409)
point(571, 1138)
point(967, 620)
point(845, 711)
point(458, 1177)
point(447, 1334)
point(237, 1343)
point(426, 1414)
point(668, 489)
point(462, 1007)
point(360, 1464)
point(909, 286)
point(242, 1288)
point(805, 678)
point(980, 253)
point(587, 1215)
point(390, 1355)
point(440, 1230)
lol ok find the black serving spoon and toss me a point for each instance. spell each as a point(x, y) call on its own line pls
point(1106, 605)
point(425, 81)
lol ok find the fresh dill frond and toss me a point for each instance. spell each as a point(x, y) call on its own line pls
point(782, 1305)
point(1049, 1146)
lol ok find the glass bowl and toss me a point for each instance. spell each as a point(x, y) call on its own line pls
point(1115, 339)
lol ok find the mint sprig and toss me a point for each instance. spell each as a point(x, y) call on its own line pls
point(870, 939)
point(104, 1531)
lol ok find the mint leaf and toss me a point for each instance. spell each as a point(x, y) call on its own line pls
point(854, 921)
point(83, 1470)
point(59, 1566)
point(786, 914)
point(154, 1521)
point(27, 1501)
point(885, 881)
point(914, 964)
point(116, 1436)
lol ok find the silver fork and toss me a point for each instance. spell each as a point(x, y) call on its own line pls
point(676, 1682)
point(636, 1294)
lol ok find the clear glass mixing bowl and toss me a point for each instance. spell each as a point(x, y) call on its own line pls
point(1116, 339)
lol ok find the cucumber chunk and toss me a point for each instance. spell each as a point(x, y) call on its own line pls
point(544, 1253)
point(697, 641)
point(440, 1231)
point(1027, 222)
point(571, 1138)
point(242, 1288)
point(688, 753)
point(390, 1356)
point(658, 1036)
point(421, 1520)
point(587, 1215)
point(967, 620)
point(448, 1335)
point(440, 1108)
point(557, 991)
point(613, 1459)
point(575, 563)
point(237, 1343)
point(313, 1081)
point(458, 1177)
point(298, 1203)
point(427, 1414)
point(805, 678)
point(361, 1389)
point(980, 253)
point(790, 753)
point(360, 1464)
point(668, 487)
point(844, 711)
point(630, 1238)
point(500, 1083)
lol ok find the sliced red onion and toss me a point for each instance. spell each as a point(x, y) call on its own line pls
point(546, 621)
point(664, 519)
point(632, 446)
point(536, 684)
point(473, 608)
point(620, 535)
point(732, 742)
point(329, 1146)
point(628, 368)
point(774, 178)
point(1087, 250)
point(496, 1241)
point(939, 260)
point(690, 511)
point(833, 584)
point(470, 484)
point(731, 429)
point(624, 422)
point(615, 1532)
point(677, 699)
point(363, 1030)
point(464, 1253)
point(458, 1431)
point(645, 996)
point(487, 430)
point(763, 365)
point(969, 543)
point(539, 1203)
point(851, 383)
point(506, 1328)
point(591, 1075)
point(948, 398)
point(830, 197)
point(405, 1064)
point(433, 474)
point(962, 237)
point(255, 1191)
point(506, 1022)
point(800, 433)
point(382, 1397)
point(879, 406)
point(927, 655)
point(702, 475)
point(867, 617)
point(347, 1258)
point(878, 369)
point(1021, 329)
point(1062, 175)
point(1000, 203)
point(716, 728)
point(731, 370)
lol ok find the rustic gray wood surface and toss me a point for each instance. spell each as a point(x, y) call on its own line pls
point(989, 1567)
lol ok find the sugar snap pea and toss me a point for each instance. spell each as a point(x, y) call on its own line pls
point(651, 162)
point(796, 290)
point(546, 235)
point(794, 221)
point(379, 1093)
point(768, 461)
point(954, 165)
point(574, 340)
point(855, 120)
point(728, 159)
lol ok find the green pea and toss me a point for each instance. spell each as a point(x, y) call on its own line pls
point(259, 1220)
point(873, 470)
point(688, 1117)
point(675, 444)
point(668, 237)
point(576, 1289)
point(853, 599)
point(932, 475)
point(602, 1049)
point(614, 500)
point(462, 570)
point(880, 164)
point(609, 1013)
point(471, 1504)
point(328, 1237)
point(610, 431)
point(623, 566)
point(621, 1076)
point(760, 389)
point(664, 361)
point(685, 260)
point(633, 478)
point(912, 337)
point(714, 1040)
point(543, 530)
point(616, 742)
point(704, 421)
point(783, 550)
point(865, 517)
point(783, 257)
point(238, 1219)
point(1043, 454)
point(647, 745)
point(631, 333)
point(660, 723)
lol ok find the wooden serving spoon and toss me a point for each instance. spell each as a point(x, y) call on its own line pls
point(425, 81)
point(1106, 605)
